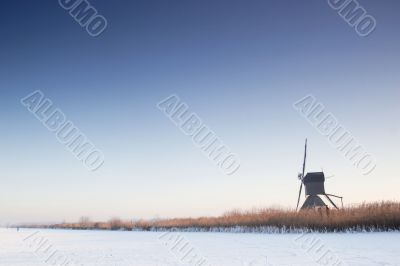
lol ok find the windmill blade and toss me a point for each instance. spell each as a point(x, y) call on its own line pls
point(298, 199)
point(305, 157)
point(302, 175)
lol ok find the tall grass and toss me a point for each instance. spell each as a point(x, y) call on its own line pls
point(381, 216)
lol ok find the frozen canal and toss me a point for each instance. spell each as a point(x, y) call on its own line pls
point(90, 248)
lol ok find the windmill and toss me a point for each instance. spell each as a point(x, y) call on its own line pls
point(314, 188)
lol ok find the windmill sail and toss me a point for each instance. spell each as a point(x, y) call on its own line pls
point(305, 156)
point(302, 175)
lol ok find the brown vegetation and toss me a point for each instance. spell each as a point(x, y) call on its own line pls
point(382, 216)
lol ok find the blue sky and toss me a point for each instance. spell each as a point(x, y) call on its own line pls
point(238, 65)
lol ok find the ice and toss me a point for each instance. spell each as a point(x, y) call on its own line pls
point(27, 247)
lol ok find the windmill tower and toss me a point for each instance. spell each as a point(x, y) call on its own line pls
point(314, 188)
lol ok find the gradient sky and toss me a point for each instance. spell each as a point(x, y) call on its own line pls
point(238, 64)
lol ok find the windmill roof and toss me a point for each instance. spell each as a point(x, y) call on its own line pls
point(314, 177)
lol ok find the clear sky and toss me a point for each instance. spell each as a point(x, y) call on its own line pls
point(239, 65)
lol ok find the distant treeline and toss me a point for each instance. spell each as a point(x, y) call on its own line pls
point(380, 216)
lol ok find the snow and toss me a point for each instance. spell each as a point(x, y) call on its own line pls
point(31, 247)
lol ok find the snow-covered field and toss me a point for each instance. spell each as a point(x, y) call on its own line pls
point(118, 248)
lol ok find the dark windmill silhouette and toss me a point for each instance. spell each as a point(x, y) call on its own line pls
point(314, 188)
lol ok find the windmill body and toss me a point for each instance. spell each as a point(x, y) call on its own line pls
point(314, 186)
point(314, 183)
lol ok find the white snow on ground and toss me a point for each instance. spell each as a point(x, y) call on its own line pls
point(119, 248)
